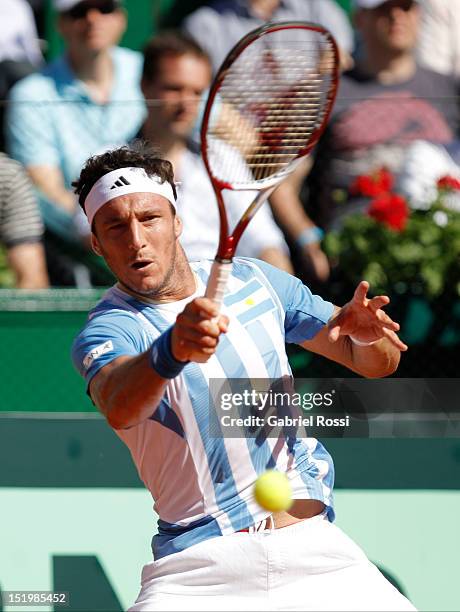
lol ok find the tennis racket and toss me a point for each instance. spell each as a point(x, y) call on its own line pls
point(266, 109)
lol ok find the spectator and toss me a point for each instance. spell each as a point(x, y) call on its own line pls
point(84, 102)
point(217, 28)
point(439, 41)
point(220, 26)
point(176, 73)
point(384, 103)
point(18, 33)
point(20, 52)
point(21, 228)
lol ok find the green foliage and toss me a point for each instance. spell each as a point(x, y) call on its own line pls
point(426, 254)
point(6, 276)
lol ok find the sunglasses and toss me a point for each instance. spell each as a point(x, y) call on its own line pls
point(80, 10)
point(405, 5)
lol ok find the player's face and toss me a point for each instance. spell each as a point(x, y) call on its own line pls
point(393, 25)
point(178, 87)
point(93, 25)
point(137, 234)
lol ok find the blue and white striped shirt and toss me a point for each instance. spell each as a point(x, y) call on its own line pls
point(203, 485)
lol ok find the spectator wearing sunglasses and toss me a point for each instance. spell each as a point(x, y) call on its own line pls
point(385, 103)
point(86, 101)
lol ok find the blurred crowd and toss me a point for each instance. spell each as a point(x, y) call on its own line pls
point(397, 99)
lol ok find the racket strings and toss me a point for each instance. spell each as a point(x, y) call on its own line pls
point(273, 99)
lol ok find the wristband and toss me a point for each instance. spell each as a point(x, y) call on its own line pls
point(309, 235)
point(360, 342)
point(162, 359)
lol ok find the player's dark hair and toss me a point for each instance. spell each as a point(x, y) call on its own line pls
point(172, 43)
point(138, 155)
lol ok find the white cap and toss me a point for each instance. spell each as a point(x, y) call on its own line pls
point(65, 5)
point(370, 4)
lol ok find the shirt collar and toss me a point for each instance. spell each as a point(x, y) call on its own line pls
point(68, 81)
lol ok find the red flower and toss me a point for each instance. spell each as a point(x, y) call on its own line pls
point(371, 185)
point(390, 209)
point(448, 183)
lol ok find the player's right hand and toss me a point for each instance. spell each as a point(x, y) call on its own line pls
point(196, 332)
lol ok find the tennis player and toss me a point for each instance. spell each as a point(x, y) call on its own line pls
point(148, 353)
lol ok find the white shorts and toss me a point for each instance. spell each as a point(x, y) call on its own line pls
point(311, 565)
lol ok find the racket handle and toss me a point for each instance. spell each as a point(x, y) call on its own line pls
point(217, 281)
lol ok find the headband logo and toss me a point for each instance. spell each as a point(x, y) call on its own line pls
point(120, 182)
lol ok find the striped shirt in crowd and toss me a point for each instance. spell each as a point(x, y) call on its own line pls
point(20, 220)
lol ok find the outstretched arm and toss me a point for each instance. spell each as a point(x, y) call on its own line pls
point(361, 336)
point(129, 388)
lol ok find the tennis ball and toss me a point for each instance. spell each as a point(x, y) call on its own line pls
point(272, 491)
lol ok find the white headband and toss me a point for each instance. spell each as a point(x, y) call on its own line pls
point(122, 182)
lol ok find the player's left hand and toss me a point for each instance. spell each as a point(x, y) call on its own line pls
point(364, 319)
